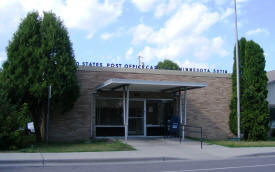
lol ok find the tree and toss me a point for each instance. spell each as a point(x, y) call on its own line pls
point(253, 92)
point(255, 118)
point(40, 54)
point(167, 65)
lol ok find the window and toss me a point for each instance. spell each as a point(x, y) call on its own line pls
point(158, 114)
point(159, 111)
point(109, 111)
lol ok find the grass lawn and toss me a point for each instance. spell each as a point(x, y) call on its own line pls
point(227, 143)
point(85, 146)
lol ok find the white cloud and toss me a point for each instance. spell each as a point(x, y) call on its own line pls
point(199, 47)
point(213, 47)
point(10, 14)
point(160, 10)
point(89, 16)
point(148, 53)
point(129, 53)
point(141, 32)
point(170, 51)
point(181, 35)
point(228, 12)
point(190, 64)
point(257, 31)
point(121, 31)
point(189, 19)
point(106, 36)
point(217, 47)
point(40, 5)
point(166, 8)
point(144, 5)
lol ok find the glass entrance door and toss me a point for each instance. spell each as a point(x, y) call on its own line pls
point(158, 112)
point(136, 117)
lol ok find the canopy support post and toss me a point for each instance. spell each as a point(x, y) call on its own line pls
point(185, 106)
point(180, 114)
point(126, 111)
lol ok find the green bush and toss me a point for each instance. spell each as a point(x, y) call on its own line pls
point(13, 120)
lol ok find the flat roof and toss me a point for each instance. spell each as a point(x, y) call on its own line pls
point(116, 84)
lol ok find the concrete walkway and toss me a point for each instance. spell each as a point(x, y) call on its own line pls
point(153, 149)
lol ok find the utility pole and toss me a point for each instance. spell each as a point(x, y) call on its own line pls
point(139, 60)
point(237, 73)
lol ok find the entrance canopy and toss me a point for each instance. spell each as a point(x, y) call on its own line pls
point(127, 85)
point(115, 84)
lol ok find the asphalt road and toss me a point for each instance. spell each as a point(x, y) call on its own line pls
point(245, 164)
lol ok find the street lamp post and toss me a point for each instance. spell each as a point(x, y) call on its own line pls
point(237, 73)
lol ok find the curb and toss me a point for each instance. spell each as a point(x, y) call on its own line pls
point(259, 154)
point(21, 163)
point(45, 162)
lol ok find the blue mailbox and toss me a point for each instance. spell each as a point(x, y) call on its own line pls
point(174, 126)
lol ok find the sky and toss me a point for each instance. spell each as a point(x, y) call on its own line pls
point(192, 33)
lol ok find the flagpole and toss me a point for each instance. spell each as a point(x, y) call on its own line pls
point(237, 73)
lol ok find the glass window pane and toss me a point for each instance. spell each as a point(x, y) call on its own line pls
point(159, 111)
point(109, 112)
point(136, 108)
point(136, 117)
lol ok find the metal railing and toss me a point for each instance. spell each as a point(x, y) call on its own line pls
point(195, 127)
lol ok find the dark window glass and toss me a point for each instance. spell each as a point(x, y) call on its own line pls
point(109, 112)
point(159, 111)
point(136, 117)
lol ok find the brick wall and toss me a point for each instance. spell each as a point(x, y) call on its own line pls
point(206, 107)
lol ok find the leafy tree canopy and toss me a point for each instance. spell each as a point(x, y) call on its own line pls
point(253, 81)
point(167, 65)
point(40, 54)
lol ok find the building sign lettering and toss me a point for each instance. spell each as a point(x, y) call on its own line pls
point(118, 65)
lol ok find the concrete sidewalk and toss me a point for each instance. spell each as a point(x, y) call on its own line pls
point(157, 149)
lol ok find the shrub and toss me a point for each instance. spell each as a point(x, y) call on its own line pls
point(13, 125)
